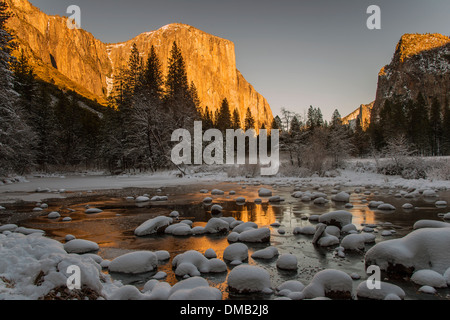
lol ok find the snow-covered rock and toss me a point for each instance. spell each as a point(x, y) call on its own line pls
point(217, 192)
point(407, 206)
point(216, 209)
point(418, 250)
point(194, 263)
point(217, 225)
point(266, 253)
point(195, 288)
point(80, 246)
point(430, 278)
point(307, 230)
point(249, 279)
point(386, 289)
point(353, 242)
point(429, 193)
point(134, 262)
point(155, 225)
point(322, 238)
point(53, 215)
point(338, 218)
point(386, 207)
point(178, 229)
point(263, 192)
point(330, 283)
point(245, 226)
point(236, 252)
point(341, 197)
point(210, 254)
point(422, 224)
point(93, 210)
point(142, 199)
point(441, 204)
point(255, 235)
point(287, 261)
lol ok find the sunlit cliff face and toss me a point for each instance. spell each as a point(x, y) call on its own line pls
point(76, 60)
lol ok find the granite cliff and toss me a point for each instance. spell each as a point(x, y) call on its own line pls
point(76, 60)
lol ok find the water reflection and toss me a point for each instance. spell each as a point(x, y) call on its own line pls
point(113, 228)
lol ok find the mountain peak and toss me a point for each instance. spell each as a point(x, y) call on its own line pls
point(413, 44)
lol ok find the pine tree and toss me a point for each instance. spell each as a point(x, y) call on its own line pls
point(207, 119)
point(249, 120)
point(16, 137)
point(151, 82)
point(236, 121)
point(223, 120)
point(336, 119)
point(419, 125)
point(446, 128)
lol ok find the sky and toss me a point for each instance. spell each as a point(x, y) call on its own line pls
point(295, 53)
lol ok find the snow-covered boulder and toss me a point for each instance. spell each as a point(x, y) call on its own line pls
point(263, 192)
point(374, 204)
point(174, 214)
point(287, 261)
point(330, 283)
point(155, 225)
point(427, 248)
point(142, 199)
point(217, 192)
point(407, 206)
point(216, 209)
point(266, 253)
point(385, 207)
point(194, 263)
point(217, 225)
point(195, 288)
point(93, 210)
point(429, 193)
point(178, 229)
point(255, 235)
point(322, 238)
point(441, 204)
point(134, 262)
point(53, 215)
point(8, 227)
point(354, 242)
point(249, 279)
point(430, 278)
point(307, 230)
point(236, 253)
point(386, 290)
point(341, 197)
point(421, 224)
point(245, 226)
point(289, 288)
point(338, 218)
point(210, 254)
point(80, 246)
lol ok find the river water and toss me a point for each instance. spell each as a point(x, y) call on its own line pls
point(113, 229)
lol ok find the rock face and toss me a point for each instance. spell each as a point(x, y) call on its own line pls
point(362, 114)
point(76, 60)
point(421, 63)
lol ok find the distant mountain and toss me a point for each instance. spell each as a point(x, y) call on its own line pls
point(362, 114)
point(76, 60)
point(421, 64)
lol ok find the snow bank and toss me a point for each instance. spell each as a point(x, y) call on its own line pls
point(427, 248)
point(155, 225)
point(249, 279)
point(330, 283)
point(134, 262)
point(37, 266)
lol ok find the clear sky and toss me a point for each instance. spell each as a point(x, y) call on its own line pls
point(295, 53)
